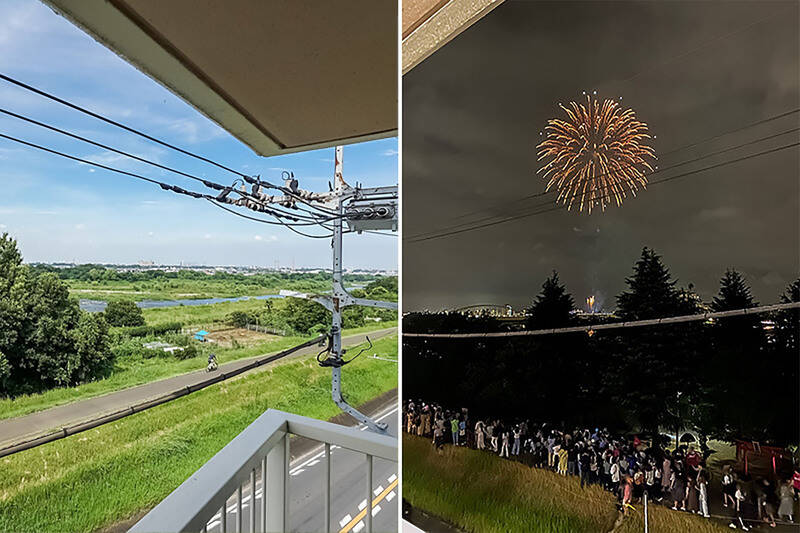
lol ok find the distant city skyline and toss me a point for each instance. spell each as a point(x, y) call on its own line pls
point(60, 210)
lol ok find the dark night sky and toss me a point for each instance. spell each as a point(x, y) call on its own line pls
point(472, 114)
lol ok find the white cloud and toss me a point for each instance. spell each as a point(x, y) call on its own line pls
point(150, 233)
point(80, 226)
point(258, 237)
point(3, 226)
point(207, 236)
point(390, 152)
point(268, 238)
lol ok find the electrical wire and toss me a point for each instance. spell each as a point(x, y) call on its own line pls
point(164, 186)
point(558, 208)
point(107, 120)
point(208, 183)
point(129, 129)
point(670, 152)
point(279, 222)
point(656, 171)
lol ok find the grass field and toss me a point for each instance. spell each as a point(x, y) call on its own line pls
point(179, 289)
point(129, 373)
point(479, 492)
point(105, 475)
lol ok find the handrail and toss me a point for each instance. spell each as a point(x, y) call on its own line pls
point(264, 443)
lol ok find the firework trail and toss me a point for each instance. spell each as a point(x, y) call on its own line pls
point(598, 154)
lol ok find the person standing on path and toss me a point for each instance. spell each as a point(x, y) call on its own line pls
point(454, 430)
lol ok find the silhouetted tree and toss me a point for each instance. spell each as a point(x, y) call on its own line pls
point(651, 290)
point(553, 307)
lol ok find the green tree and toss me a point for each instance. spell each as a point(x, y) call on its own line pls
point(39, 327)
point(302, 315)
point(651, 290)
point(124, 313)
point(553, 306)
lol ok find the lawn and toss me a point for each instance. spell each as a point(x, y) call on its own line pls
point(129, 373)
point(479, 492)
point(102, 476)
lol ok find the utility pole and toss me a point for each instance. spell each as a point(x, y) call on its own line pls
point(364, 209)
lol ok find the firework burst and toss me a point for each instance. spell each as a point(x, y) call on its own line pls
point(597, 155)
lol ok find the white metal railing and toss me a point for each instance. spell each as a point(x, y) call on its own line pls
point(262, 448)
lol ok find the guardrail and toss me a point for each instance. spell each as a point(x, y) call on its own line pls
point(262, 449)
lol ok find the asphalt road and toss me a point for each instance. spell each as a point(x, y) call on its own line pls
point(348, 490)
point(42, 422)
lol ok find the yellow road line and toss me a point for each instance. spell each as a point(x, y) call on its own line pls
point(363, 512)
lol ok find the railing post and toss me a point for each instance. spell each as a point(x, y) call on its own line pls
point(253, 501)
point(264, 494)
point(327, 487)
point(239, 509)
point(369, 494)
point(223, 517)
point(275, 488)
point(287, 459)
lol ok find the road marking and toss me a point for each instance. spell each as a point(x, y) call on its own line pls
point(297, 472)
point(351, 526)
point(345, 520)
point(376, 510)
point(392, 477)
point(378, 490)
point(319, 455)
point(390, 496)
point(362, 504)
point(358, 527)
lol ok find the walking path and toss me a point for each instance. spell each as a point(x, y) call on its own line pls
point(41, 422)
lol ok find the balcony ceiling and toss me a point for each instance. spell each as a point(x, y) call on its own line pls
point(280, 75)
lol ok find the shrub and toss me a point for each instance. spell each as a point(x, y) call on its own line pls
point(124, 313)
point(143, 331)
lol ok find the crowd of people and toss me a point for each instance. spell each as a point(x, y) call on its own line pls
point(627, 466)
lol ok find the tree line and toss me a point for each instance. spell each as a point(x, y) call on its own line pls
point(734, 377)
point(46, 340)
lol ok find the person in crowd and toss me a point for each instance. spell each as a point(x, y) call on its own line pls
point(702, 494)
point(454, 430)
point(627, 494)
point(678, 490)
point(796, 481)
point(786, 495)
point(462, 431)
point(739, 497)
point(504, 447)
point(728, 486)
point(768, 501)
point(517, 434)
point(479, 435)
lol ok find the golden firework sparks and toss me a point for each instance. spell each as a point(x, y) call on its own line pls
point(599, 153)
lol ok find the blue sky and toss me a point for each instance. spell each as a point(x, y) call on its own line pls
point(60, 210)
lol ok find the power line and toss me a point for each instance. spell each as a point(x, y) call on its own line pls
point(656, 171)
point(164, 186)
point(117, 124)
point(558, 208)
point(614, 325)
point(279, 222)
point(670, 152)
point(249, 179)
point(206, 182)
